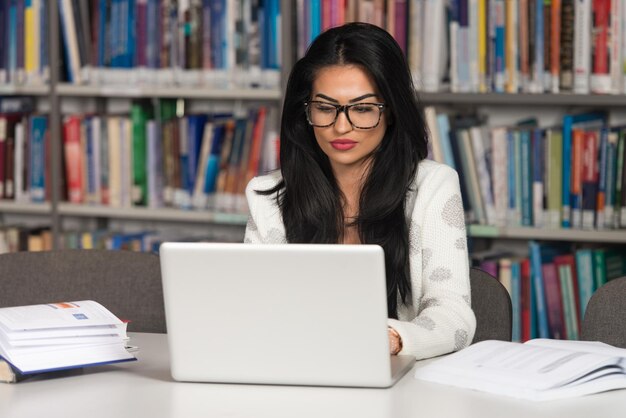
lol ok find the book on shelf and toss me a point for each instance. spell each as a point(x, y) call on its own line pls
point(567, 176)
point(529, 46)
point(538, 370)
point(158, 159)
point(216, 44)
point(552, 284)
point(59, 336)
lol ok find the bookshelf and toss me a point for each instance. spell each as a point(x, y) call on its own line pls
point(58, 95)
point(58, 92)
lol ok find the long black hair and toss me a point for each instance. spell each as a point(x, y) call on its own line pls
point(308, 195)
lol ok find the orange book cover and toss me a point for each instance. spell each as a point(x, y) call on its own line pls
point(257, 142)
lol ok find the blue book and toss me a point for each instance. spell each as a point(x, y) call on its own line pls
point(443, 124)
point(568, 122)
point(538, 294)
point(103, 14)
point(12, 41)
point(4, 29)
point(511, 183)
point(315, 17)
point(129, 47)
point(516, 296)
point(213, 163)
point(37, 158)
point(218, 33)
point(154, 35)
point(538, 169)
point(195, 131)
point(92, 181)
point(526, 177)
point(611, 176)
point(584, 270)
point(115, 38)
point(500, 48)
point(273, 38)
point(456, 153)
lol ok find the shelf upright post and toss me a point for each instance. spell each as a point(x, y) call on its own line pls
point(287, 44)
point(55, 124)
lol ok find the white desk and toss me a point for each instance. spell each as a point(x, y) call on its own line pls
point(145, 389)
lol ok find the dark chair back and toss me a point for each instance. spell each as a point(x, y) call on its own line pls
point(127, 283)
point(492, 306)
point(605, 315)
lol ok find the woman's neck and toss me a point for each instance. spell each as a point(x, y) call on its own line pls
point(350, 182)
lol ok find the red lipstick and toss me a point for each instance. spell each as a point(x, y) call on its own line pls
point(343, 144)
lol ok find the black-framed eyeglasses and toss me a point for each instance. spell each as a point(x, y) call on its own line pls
point(360, 115)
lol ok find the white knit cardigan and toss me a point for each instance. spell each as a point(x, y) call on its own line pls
point(438, 318)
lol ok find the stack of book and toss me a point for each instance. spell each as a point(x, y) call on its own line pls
point(59, 336)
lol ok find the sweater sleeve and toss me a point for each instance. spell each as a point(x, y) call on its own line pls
point(444, 321)
point(265, 225)
point(252, 235)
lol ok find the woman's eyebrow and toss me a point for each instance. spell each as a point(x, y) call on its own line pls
point(356, 99)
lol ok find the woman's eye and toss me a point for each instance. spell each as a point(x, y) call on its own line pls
point(363, 109)
point(325, 109)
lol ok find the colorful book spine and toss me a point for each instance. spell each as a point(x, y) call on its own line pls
point(538, 290)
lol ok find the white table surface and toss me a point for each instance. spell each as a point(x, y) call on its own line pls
point(145, 389)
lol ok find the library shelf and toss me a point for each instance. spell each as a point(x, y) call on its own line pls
point(8, 206)
point(521, 99)
point(150, 214)
point(72, 90)
point(24, 90)
point(617, 236)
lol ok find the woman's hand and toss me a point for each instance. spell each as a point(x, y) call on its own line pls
point(395, 342)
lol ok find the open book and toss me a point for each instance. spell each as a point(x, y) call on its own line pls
point(537, 370)
point(59, 336)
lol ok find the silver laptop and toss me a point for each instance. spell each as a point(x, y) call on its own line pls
point(292, 314)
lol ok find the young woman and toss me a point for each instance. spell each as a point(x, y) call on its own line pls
point(353, 144)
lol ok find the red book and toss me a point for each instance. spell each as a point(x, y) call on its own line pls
point(589, 178)
point(600, 46)
point(578, 140)
point(601, 26)
point(73, 158)
point(400, 24)
point(327, 14)
point(552, 288)
point(257, 142)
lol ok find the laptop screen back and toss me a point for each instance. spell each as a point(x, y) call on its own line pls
point(276, 314)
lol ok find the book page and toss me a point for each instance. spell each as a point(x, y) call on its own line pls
point(56, 315)
point(523, 370)
point(588, 346)
point(49, 333)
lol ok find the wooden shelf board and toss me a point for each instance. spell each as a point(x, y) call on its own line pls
point(520, 99)
point(24, 90)
point(149, 214)
point(66, 89)
point(8, 206)
point(579, 235)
